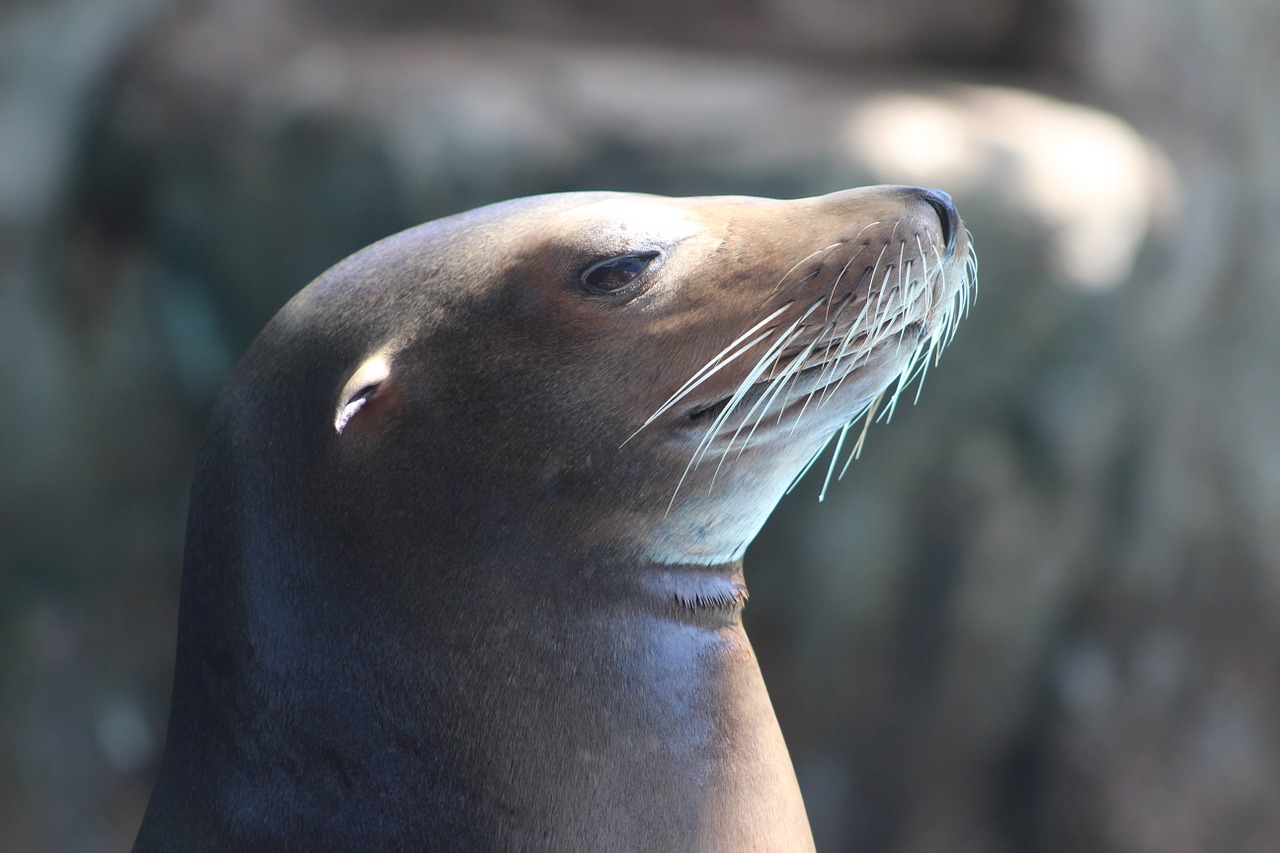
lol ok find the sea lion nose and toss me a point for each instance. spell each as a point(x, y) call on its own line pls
point(946, 210)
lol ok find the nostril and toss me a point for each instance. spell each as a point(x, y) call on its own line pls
point(947, 216)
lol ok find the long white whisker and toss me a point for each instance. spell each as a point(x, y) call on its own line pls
point(873, 340)
point(759, 409)
point(829, 365)
point(762, 364)
point(715, 365)
point(835, 454)
point(697, 377)
point(867, 416)
point(776, 385)
point(784, 340)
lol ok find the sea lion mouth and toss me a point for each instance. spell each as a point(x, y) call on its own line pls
point(826, 364)
point(803, 384)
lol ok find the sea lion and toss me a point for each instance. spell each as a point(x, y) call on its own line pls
point(463, 563)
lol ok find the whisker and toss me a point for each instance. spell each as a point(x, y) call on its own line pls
point(904, 319)
point(829, 366)
point(835, 455)
point(759, 409)
point(744, 387)
point(715, 365)
point(867, 416)
point(777, 287)
point(776, 385)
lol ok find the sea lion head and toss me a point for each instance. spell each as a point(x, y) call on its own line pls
point(622, 375)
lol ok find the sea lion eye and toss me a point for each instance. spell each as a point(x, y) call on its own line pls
point(616, 273)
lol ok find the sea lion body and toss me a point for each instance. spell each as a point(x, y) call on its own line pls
point(463, 566)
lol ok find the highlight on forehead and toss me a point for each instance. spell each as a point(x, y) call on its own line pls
point(631, 221)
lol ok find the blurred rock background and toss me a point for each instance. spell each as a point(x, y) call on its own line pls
point(1042, 613)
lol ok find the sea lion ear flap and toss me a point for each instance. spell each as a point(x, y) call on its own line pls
point(362, 385)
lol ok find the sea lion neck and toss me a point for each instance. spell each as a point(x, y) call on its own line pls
point(532, 580)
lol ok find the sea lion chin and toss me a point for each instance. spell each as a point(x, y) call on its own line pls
point(463, 556)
